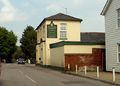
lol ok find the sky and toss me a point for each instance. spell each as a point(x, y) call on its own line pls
point(16, 15)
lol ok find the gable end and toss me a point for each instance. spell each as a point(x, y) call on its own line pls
point(106, 7)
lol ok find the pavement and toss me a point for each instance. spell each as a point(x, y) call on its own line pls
point(30, 75)
point(106, 77)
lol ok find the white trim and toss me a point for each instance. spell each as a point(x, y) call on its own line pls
point(118, 17)
point(118, 59)
point(117, 54)
point(117, 20)
point(63, 31)
point(106, 7)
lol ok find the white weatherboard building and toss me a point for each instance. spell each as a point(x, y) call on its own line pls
point(111, 11)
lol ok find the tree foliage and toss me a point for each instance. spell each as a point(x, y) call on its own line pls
point(18, 53)
point(7, 44)
point(28, 42)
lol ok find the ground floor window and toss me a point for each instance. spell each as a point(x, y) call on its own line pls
point(118, 52)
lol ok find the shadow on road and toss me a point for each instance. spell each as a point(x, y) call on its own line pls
point(1, 82)
point(73, 82)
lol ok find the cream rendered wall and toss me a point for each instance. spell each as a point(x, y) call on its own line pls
point(37, 54)
point(77, 49)
point(40, 47)
point(42, 53)
point(73, 34)
point(57, 56)
point(37, 47)
point(73, 31)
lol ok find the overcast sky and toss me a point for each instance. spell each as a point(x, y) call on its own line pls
point(17, 14)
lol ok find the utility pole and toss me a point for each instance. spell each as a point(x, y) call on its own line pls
point(65, 10)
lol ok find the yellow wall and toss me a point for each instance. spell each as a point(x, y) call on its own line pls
point(57, 56)
point(72, 28)
point(73, 34)
point(37, 53)
point(81, 48)
point(40, 47)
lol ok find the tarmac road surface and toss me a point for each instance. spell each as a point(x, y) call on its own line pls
point(24, 75)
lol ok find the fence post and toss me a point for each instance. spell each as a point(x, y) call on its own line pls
point(68, 66)
point(76, 67)
point(85, 70)
point(98, 73)
point(113, 69)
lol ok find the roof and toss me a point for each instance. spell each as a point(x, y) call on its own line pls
point(62, 43)
point(95, 37)
point(106, 7)
point(60, 16)
point(87, 38)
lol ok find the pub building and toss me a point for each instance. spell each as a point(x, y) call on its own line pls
point(60, 42)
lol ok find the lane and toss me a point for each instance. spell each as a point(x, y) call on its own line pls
point(47, 77)
point(11, 76)
point(21, 75)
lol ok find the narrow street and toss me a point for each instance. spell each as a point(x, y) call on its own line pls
point(24, 75)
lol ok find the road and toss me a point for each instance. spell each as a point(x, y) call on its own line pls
point(25, 75)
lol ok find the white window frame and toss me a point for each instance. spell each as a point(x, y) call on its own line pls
point(63, 31)
point(118, 18)
point(118, 53)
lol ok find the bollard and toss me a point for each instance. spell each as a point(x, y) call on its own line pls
point(29, 61)
point(85, 70)
point(76, 67)
point(68, 66)
point(98, 74)
point(113, 74)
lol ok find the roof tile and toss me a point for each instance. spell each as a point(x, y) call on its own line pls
point(93, 37)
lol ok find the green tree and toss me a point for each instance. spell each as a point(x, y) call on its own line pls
point(18, 53)
point(28, 43)
point(7, 44)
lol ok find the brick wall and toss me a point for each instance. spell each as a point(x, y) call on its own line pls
point(90, 60)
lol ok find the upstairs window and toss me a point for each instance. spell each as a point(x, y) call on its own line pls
point(118, 11)
point(63, 31)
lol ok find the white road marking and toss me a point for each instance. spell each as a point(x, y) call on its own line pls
point(31, 79)
point(20, 71)
point(27, 76)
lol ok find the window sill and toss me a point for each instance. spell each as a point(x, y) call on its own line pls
point(63, 38)
point(117, 28)
point(118, 62)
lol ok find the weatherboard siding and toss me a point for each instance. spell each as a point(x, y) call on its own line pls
point(112, 36)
